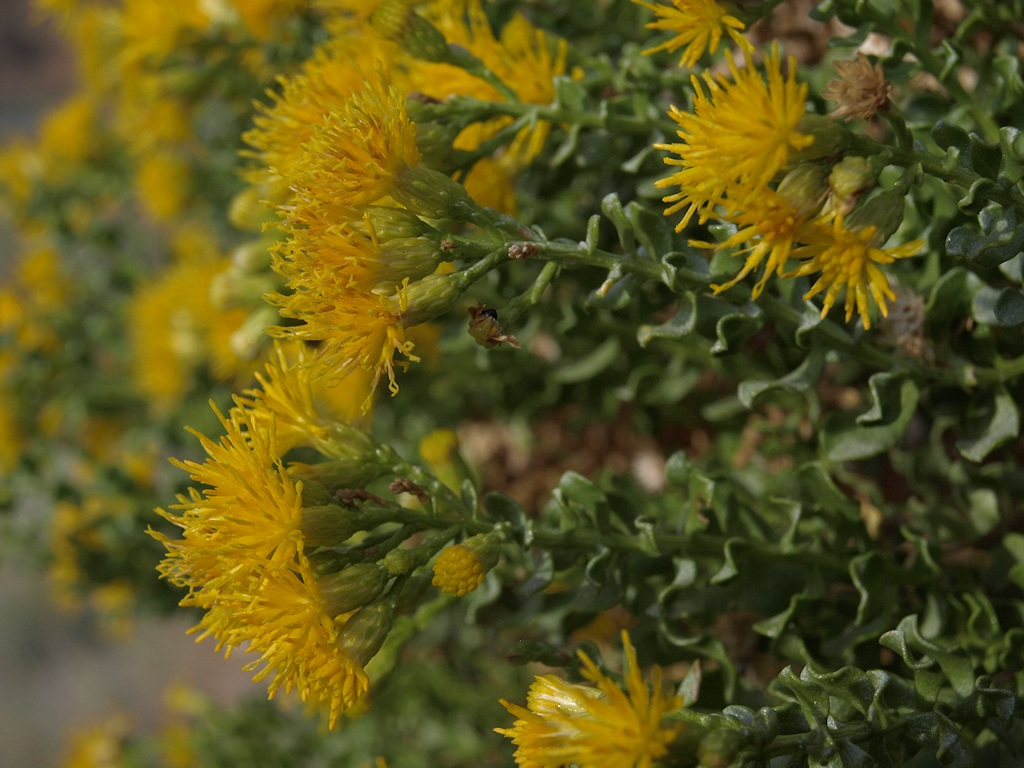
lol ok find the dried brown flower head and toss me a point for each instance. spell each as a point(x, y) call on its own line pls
point(861, 89)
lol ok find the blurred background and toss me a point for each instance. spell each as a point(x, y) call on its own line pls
point(58, 672)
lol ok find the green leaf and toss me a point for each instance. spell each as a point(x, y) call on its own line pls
point(997, 422)
point(735, 328)
point(907, 641)
point(950, 297)
point(999, 238)
point(650, 227)
point(612, 208)
point(589, 366)
point(1011, 144)
point(877, 585)
point(681, 324)
point(894, 401)
point(798, 380)
point(733, 553)
point(1003, 308)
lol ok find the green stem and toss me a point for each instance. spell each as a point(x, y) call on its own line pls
point(515, 308)
point(933, 166)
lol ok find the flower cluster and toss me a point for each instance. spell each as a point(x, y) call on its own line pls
point(245, 560)
point(338, 154)
point(749, 154)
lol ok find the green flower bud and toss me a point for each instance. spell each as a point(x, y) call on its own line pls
point(352, 588)
point(363, 634)
point(850, 178)
point(425, 299)
point(395, 20)
point(247, 210)
point(829, 137)
point(883, 211)
point(430, 193)
point(252, 256)
point(399, 561)
point(249, 338)
point(804, 188)
point(327, 525)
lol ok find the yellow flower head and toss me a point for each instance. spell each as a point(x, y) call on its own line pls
point(260, 16)
point(740, 134)
point(849, 259)
point(698, 26)
point(460, 568)
point(358, 329)
point(298, 394)
point(356, 153)
point(174, 329)
point(602, 727)
point(163, 183)
point(327, 79)
point(242, 558)
point(770, 224)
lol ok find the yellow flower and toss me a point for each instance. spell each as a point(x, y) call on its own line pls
point(357, 153)
point(298, 394)
point(460, 568)
point(770, 223)
point(317, 242)
point(68, 134)
point(174, 329)
point(242, 558)
point(768, 228)
point(602, 727)
point(522, 57)
point(10, 433)
point(336, 70)
point(738, 137)
point(848, 259)
point(359, 329)
point(99, 746)
point(698, 25)
point(260, 16)
point(163, 184)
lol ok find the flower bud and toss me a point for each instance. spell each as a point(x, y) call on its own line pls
point(460, 568)
point(829, 137)
point(252, 256)
point(425, 299)
point(399, 562)
point(804, 189)
point(430, 193)
point(232, 288)
point(383, 223)
point(440, 451)
point(850, 178)
point(327, 525)
point(396, 21)
point(352, 588)
point(247, 211)
point(363, 634)
point(249, 338)
point(883, 211)
point(355, 470)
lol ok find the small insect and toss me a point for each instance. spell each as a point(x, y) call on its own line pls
point(486, 330)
